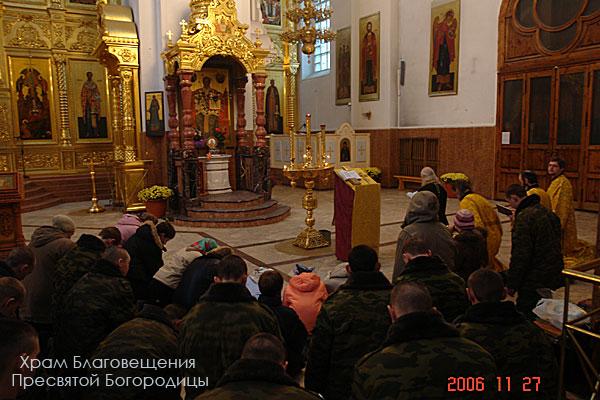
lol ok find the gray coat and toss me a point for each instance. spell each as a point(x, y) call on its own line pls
point(49, 245)
point(421, 222)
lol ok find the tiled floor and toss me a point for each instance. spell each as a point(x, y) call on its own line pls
point(271, 245)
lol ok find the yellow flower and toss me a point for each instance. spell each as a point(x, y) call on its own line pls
point(155, 193)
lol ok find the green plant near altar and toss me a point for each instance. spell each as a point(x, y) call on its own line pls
point(155, 193)
point(452, 177)
point(374, 173)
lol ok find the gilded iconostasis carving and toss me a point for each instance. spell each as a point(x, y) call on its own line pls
point(54, 99)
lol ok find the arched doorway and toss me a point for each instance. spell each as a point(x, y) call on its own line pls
point(549, 92)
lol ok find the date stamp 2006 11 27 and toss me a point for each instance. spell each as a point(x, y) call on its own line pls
point(502, 384)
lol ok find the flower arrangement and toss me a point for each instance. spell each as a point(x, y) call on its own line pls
point(453, 177)
point(155, 193)
point(374, 173)
point(219, 136)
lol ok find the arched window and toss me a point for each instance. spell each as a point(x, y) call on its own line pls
point(549, 92)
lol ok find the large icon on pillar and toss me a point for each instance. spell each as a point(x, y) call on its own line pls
point(33, 98)
point(212, 105)
point(89, 98)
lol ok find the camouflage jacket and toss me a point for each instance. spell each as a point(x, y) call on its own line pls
point(417, 361)
point(149, 336)
point(73, 265)
point(446, 288)
point(536, 259)
point(216, 329)
point(519, 348)
point(95, 305)
point(256, 379)
point(352, 322)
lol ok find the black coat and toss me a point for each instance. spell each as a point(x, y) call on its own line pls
point(6, 271)
point(145, 250)
point(196, 279)
point(471, 253)
point(293, 331)
point(442, 196)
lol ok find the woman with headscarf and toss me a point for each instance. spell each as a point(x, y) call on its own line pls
point(167, 278)
point(486, 218)
point(431, 183)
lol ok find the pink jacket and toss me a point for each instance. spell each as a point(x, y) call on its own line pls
point(305, 293)
point(128, 225)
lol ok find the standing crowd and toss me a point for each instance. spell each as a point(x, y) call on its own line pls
point(443, 316)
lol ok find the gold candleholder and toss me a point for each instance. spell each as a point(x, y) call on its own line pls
point(309, 237)
point(95, 207)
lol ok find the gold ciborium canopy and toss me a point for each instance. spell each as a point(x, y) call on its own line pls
point(311, 169)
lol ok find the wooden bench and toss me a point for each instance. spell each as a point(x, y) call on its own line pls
point(402, 179)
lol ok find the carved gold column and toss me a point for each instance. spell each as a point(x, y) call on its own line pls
point(115, 103)
point(258, 80)
point(63, 99)
point(128, 116)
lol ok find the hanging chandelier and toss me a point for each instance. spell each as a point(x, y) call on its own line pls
point(305, 16)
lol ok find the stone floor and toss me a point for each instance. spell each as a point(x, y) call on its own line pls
point(271, 246)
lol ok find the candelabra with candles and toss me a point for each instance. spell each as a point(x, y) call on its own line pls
point(310, 169)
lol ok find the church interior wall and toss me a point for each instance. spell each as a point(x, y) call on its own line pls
point(317, 95)
point(475, 103)
point(462, 121)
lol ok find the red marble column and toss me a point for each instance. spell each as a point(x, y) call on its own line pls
point(171, 88)
point(259, 86)
point(185, 85)
point(242, 137)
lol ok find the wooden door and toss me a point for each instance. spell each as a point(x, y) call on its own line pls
point(539, 123)
point(568, 138)
point(591, 168)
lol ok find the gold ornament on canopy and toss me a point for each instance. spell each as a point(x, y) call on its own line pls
point(304, 16)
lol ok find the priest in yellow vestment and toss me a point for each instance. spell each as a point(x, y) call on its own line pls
point(530, 182)
point(561, 196)
point(486, 217)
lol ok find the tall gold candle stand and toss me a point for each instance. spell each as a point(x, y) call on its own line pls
point(95, 207)
point(309, 237)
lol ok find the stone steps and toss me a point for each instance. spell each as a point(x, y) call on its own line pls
point(232, 213)
point(232, 210)
point(37, 198)
point(48, 191)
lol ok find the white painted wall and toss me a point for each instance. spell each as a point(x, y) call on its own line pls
point(475, 103)
point(405, 27)
point(317, 95)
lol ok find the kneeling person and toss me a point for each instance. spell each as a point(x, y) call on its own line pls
point(259, 374)
point(519, 348)
point(420, 354)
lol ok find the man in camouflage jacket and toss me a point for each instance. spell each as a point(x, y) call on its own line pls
point(353, 321)
point(446, 288)
point(215, 330)
point(536, 259)
point(73, 265)
point(259, 374)
point(521, 350)
point(151, 335)
point(421, 355)
point(99, 302)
